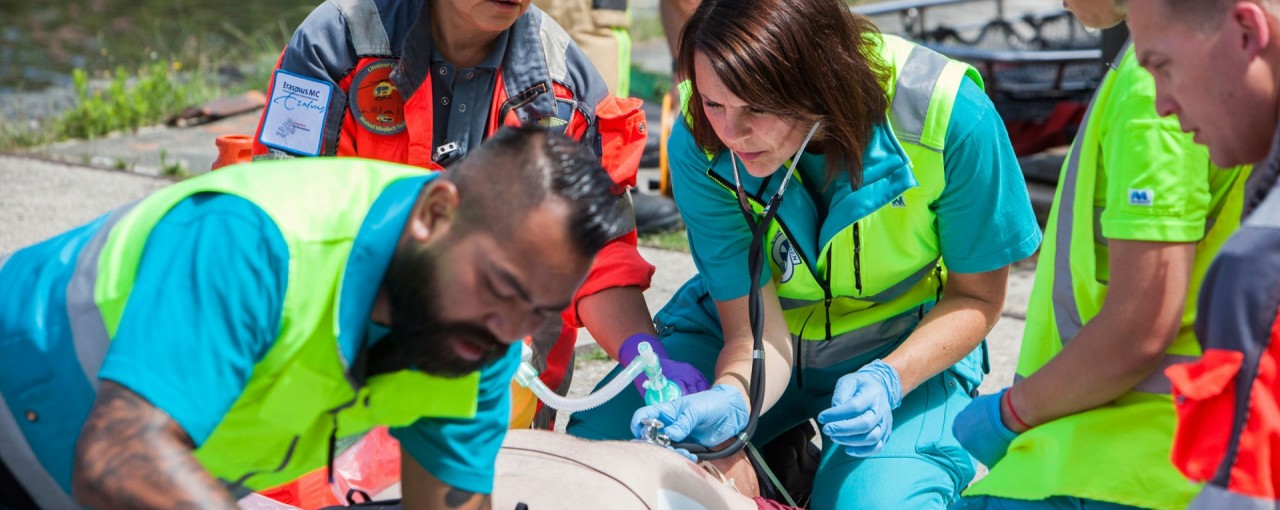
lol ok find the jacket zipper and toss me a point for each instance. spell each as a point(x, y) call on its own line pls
point(857, 274)
point(333, 433)
point(826, 291)
point(799, 361)
point(857, 258)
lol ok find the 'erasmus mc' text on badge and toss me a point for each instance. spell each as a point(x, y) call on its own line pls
point(296, 113)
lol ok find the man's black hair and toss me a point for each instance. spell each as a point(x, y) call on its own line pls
point(518, 169)
point(515, 172)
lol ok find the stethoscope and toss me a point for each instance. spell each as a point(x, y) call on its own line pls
point(755, 263)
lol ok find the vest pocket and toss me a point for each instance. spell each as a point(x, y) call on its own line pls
point(1204, 395)
point(623, 132)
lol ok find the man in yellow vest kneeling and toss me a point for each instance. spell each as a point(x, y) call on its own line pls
point(218, 336)
point(1140, 212)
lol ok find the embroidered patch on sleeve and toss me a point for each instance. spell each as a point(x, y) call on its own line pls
point(296, 114)
point(1142, 197)
point(375, 101)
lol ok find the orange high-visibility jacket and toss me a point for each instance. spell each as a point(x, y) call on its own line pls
point(1228, 432)
point(376, 55)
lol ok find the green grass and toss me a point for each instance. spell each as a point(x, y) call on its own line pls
point(16, 135)
point(121, 100)
point(172, 169)
point(127, 98)
point(675, 240)
point(132, 100)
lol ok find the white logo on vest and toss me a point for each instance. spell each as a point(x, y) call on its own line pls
point(784, 257)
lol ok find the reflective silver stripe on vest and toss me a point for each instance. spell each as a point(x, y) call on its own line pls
point(1156, 383)
point(1159, 383)
point(903, 286)
point(913, 92)
point(1065, 312)
point(87, 329)
point(555, 44)
point(918, 75)
point(26, 468)
point(841, 348)
point(792, 304)
point(881, 297)
point(1213, 497)
point(368, 34)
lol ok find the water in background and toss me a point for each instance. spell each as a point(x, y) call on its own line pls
point(41, 41)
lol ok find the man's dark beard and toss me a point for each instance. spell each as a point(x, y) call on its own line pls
point(419, 338)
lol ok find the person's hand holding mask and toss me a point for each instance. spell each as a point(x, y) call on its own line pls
point(707, 418)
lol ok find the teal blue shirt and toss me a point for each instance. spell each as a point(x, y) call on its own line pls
point(985, 220)
point(192, 356)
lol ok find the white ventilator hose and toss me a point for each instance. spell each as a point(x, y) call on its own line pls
point(527, 376)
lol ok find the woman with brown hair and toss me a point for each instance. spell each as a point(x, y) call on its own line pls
point(890, 206)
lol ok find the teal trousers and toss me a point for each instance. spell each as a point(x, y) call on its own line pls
point(922, 466)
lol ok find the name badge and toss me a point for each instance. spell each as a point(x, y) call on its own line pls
point(296, 112)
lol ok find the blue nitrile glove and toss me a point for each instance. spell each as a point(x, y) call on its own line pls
point(981, 431)
point(687, 378)
point(707, 418)
point(861, 413)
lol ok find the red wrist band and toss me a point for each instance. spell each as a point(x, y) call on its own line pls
point(1012, 412)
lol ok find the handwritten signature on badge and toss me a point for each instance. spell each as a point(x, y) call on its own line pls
point(293, 101)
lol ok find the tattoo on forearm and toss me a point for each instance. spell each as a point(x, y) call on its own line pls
point(132, 455)
point(457, 497)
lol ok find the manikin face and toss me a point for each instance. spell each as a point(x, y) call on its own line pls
point(1214, 79)
point(490, 16)
point(762, 141)
point(1095, 13)
point(458, 300)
